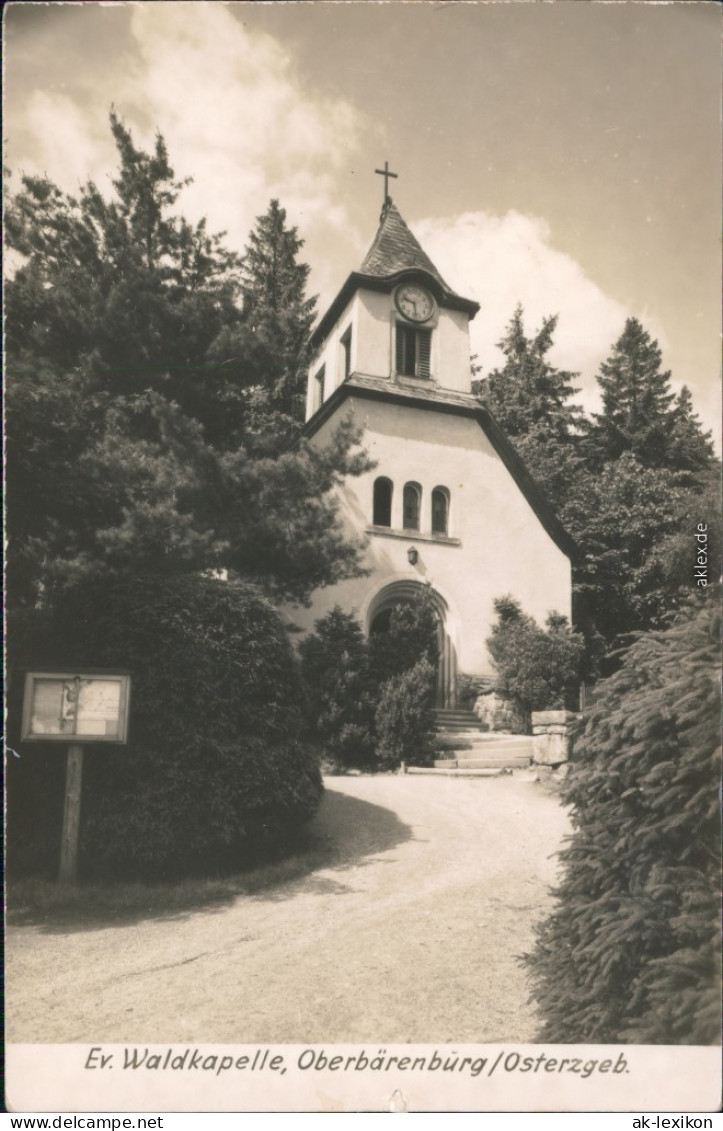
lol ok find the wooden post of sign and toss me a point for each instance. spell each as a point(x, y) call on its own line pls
point(71, 815)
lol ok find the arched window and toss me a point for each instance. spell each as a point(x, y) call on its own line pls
point(382, 502)
point(412, 505)
point(440, 510)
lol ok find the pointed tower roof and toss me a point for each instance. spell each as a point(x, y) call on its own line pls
point(395, 254)
point(395, 249)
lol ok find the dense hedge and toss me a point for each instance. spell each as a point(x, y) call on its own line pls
point(215, 774)
point(631, 951)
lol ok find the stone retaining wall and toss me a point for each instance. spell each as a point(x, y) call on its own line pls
point(551, 736)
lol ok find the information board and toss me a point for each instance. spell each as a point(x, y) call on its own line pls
point(75, 707)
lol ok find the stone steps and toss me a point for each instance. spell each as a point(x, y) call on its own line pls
point(489, 762)
point(455, 720)
point(444, 772)
point(480, 738)
point(465, 746)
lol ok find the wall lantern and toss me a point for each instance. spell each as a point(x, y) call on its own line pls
point(413, 555)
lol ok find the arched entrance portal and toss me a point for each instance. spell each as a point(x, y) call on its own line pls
point(404, 592)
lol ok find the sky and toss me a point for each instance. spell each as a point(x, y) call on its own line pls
point(565, 155)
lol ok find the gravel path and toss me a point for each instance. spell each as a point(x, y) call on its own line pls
point(409, 934)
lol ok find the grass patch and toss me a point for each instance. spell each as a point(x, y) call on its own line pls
point(31, 900)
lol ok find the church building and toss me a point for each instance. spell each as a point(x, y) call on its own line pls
point(448, 503)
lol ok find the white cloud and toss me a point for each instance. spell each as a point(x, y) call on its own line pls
point(503, 261)
point(234, 115)
point(70, 145)
point(236, 118)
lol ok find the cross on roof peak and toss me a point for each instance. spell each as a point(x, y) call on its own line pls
point(386, 174)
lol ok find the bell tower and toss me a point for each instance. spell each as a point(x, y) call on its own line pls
point(392, 359)
point(395, 319)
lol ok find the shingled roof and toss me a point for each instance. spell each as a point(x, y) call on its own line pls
point(395, 249)
point(394, 253)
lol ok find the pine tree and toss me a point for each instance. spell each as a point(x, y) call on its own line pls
point(135, 473)
point(120, 289)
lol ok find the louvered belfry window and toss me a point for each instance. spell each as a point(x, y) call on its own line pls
point(413, 350)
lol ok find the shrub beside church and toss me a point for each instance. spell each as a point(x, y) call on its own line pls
point(220, 777)
point(632, 948)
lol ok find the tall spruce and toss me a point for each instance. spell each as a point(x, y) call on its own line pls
point(532, 400)
point(689, 448)
point(641, 413)
point(277, 310)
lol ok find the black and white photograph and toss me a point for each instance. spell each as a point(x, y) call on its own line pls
point(363, 556)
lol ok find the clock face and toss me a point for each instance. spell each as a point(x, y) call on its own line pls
point(414, 302)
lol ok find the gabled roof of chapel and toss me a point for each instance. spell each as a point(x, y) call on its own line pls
point(431, 397)
point(395, 254)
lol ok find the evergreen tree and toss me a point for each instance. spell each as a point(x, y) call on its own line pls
point(528, 392)
point(531, 400)
point(405, 724)
point(130, 440)
point(631, 949)
point(135, 471)
point(618, 518)
point(121, 290)
point(277, 320)
point(641, 413)
point(340, 692)
point(675, 554)
point(371, 702)
point(689, 447)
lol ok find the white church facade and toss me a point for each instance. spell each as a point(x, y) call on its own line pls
point(448, 503)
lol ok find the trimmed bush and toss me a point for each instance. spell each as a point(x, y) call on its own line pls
point(405, 717)
point(631, 951)
point(539, 667)
point(215, 774)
